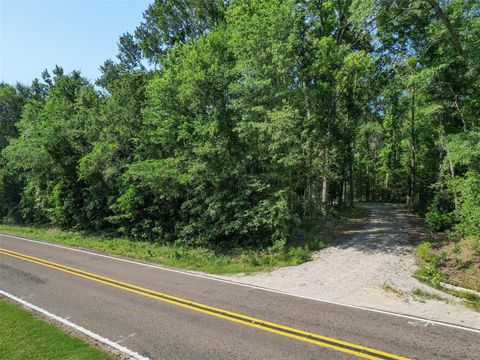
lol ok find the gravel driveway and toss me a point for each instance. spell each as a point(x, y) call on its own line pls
point(372, 266)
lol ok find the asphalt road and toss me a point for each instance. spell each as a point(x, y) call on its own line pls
point(164, 314)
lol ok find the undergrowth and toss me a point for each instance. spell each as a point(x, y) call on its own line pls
point(452, 261)
point(236, 260)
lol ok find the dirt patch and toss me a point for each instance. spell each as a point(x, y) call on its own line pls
point(366, 257)
point(459, 262)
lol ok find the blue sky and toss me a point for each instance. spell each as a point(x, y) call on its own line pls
point(75, 34)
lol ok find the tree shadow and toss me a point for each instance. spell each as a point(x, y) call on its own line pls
point(389, 228)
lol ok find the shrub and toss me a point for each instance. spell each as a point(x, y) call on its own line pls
point(430, 274)
point(423, 251)
point(439, 221)
point(298, 255)
point(464, 152)
point(457, 249)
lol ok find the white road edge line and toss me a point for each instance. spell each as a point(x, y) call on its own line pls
point(210, 277)
point(79, 328)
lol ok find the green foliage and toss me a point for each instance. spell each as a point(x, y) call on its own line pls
point(457, 249)
point(423, 251)
point(437, 220)
point(429, 274)
point(226, 261)
point(464, 153)
point(12, 100)
point(470, 300)
point(11, 107)
point(255, 117)
point(171, 22)
point(52, 140)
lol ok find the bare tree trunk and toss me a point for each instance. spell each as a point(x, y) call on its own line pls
point(330, 122)
point(308, 186)
point(332, 114)
point(307, 197)
point(367, 188)
point(387, 190)
point(413, 155)
point(350, 174)
point(451, 165)
point(455, 102)
point(324, 190)
point(340, 192)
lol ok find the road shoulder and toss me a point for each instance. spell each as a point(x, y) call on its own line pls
point(372, 266)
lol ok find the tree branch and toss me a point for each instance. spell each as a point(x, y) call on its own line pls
point(446, 21)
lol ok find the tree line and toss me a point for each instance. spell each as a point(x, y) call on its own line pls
point(235, 122)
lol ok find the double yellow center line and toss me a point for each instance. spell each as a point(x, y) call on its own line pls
point(320, 340)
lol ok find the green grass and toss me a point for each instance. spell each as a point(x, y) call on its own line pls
point(393, 290)
point(454, 263)
point(240, 261)
point(202, 259)
point(23, 336)
point(419, 293)
point(469, 299)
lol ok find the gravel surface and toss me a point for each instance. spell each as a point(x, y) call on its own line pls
point(372, 266)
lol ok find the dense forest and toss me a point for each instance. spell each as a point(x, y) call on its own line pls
point(235, 122)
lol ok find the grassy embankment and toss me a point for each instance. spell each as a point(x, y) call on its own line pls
point(24, 336)
point(208, 260)
point(453, 261)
